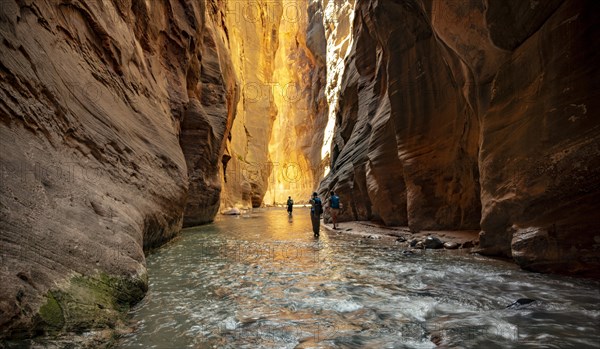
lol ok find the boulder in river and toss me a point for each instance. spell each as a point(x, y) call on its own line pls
point(468, 244)
point(231, 211)
point(433, 242)
point(450, 245)
point(519, 302)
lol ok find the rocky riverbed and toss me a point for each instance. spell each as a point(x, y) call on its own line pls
point(467, 240)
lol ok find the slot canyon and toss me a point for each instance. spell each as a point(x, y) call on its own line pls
point(125, 122)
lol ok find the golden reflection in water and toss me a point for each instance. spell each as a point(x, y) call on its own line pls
point(263, 281)
point(286, 241)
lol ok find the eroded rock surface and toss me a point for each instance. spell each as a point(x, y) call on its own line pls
point(469, 115)
point(94, 98)
point(296, 136)
point(253, 31)
point(278, 54)
point(540, 145)
point(405, 149)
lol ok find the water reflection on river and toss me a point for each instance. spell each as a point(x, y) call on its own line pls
point(263, 281)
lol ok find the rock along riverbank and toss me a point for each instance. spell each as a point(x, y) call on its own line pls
point(466, 240)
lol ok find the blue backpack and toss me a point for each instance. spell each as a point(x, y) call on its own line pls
point(335, 201)
point(318, 206)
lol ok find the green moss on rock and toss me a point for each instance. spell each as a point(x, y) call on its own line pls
point(51, 313)
point(91, 302)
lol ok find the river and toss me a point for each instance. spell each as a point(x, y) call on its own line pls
point(263, 281)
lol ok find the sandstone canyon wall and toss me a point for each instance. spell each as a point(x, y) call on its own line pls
point(124, 120)
point(278, 52)
point(475, 115)
point(296, 136)
point(253, 29)
point(108, 109)
point(338, 20)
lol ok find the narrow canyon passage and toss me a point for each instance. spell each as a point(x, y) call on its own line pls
point(262, 281)
point(130, 128)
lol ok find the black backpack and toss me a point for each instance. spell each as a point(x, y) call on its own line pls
point(318, 206)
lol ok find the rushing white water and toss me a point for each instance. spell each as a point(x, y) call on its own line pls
point(263, 281)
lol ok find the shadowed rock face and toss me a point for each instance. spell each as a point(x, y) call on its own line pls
point(475, 116)
point(107, 108)
point(405, 149)
point(540, 149)
point(206, 124)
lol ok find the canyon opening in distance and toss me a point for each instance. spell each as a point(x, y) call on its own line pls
point(125, 121)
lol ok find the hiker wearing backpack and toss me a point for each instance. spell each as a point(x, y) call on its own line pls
point(316, 210)
point(334, 208)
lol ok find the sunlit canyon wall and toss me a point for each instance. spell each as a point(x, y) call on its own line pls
point(475, 115)
point(294, 147)
point(253, 32)
point(114, 116)
point(278, 51)
point(338, 19)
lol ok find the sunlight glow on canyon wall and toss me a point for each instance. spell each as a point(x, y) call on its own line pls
point(278, 51)
point(295, 167)
point(338, 18)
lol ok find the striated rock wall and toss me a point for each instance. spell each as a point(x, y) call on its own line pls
point(540, 144)
point(475, 115)
point(301, 107)
point(278, 54)
point(338, 17)
point(405, 146)
point(106, 109)
point(253, 31)
point(208, 117)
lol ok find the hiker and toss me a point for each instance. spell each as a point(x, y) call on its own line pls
point(316, 210)
point(290, 205)
point(334, 208)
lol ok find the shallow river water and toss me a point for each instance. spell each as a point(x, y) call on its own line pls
point(263, 281)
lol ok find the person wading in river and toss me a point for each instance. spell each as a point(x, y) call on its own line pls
point(316, 210)
point(290, 205)
point(334, 208)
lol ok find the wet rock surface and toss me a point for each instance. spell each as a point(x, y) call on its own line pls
point(433, 242)
point(404, 238)
point(451, 245)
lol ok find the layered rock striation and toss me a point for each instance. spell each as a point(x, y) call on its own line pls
point(476, 115)
point(113, 118)
point(300, 65)
point(278, 50)
point(253, 31)
point(122, 121)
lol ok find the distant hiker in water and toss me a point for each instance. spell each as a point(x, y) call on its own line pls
point(316, 210)
point(334, 208)
point(290, 205)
